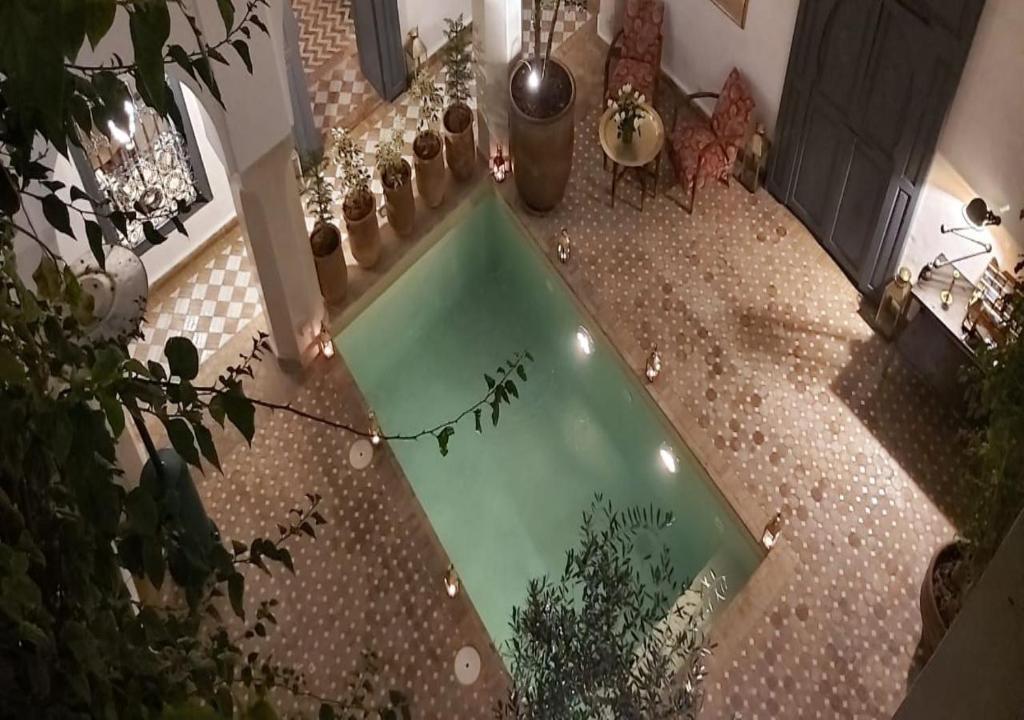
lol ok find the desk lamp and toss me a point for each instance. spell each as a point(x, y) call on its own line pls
point(978, 215)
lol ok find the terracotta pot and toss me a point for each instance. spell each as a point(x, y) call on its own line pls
point(541, 140)
point(329, 257)
point(399, 203)
point(933, 625)
point(363, 230)
point(430, 175)
point(459, 146)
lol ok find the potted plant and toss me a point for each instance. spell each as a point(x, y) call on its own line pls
point(426, 147)
point(396, 177)
point(325, 238)
point(459, 146)
point(995, 446)
point(359, 206)
point(615, 636)
point(541, 123)
point(628, 112)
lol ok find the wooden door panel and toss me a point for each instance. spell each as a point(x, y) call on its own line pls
point(952, 15)
point(819, 176)
point(867, 184)
point(888, 113)
point(844, 46)
point(868, 86)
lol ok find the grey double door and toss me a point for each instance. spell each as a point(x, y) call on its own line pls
point(868, 87)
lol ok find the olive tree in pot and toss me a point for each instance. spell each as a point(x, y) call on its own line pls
point(615, 636)
point(459, 146)
point(396, 177)
point(995, 446)
point(542, 129)
point(426, 148)
point(325, 238)
point(359, 205)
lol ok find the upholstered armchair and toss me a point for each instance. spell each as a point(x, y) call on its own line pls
point(702, 151)
point(635, 54)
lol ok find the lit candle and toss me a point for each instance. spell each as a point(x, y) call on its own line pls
point(772, 531)
point(452, 584)
point(653, 368)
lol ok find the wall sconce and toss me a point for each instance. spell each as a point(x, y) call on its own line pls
point(564, 248)
point(326, 343)
point(653, 369)
point(978, 216)
point(452, 584)
point(772, 531)
point(374, 430)
point(499, 166)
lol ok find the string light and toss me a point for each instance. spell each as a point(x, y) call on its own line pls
point(533, 80)
point(375, 432)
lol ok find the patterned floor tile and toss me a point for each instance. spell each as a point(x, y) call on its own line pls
point(208, 301)
point(791, 394)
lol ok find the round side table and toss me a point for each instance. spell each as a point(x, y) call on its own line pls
point(638, 155)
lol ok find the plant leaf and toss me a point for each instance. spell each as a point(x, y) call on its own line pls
point(182, 357)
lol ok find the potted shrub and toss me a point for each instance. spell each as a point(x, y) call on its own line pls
point(995, 446)
point(396, 177)
point(541, 123)
point(426, 147)
point(325, 237)
point(358, 206)
point(459, 146)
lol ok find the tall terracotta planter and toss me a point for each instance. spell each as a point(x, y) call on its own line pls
point(933, 624)
point(360, 214)
point(331, 271)
point(398, 201)
point(459, 146)
point(542, 135)
point(429, 162)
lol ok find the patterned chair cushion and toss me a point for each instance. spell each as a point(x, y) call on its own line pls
point(641, 30)
point(697, 155)
point(733, 112)
point(635, 72)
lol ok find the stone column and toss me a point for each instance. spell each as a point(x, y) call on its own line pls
point(270, 211)
point(497, 42)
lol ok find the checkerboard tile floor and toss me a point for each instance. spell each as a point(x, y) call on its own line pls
point(570, 20)
point(208, 301)
point(326, 31)
point(341, 95)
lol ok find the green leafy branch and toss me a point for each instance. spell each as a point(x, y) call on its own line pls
point(227, 400)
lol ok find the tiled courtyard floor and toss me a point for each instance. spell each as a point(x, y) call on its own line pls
point(771, 376)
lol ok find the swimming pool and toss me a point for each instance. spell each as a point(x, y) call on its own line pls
point(506, 504)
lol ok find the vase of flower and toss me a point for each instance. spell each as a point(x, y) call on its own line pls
point(629, 111)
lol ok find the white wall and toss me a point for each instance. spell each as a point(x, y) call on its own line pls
point(702, 45)
point(981, 148)
point(429, 15)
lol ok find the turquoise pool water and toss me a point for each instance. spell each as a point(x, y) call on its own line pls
point(506, 504)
